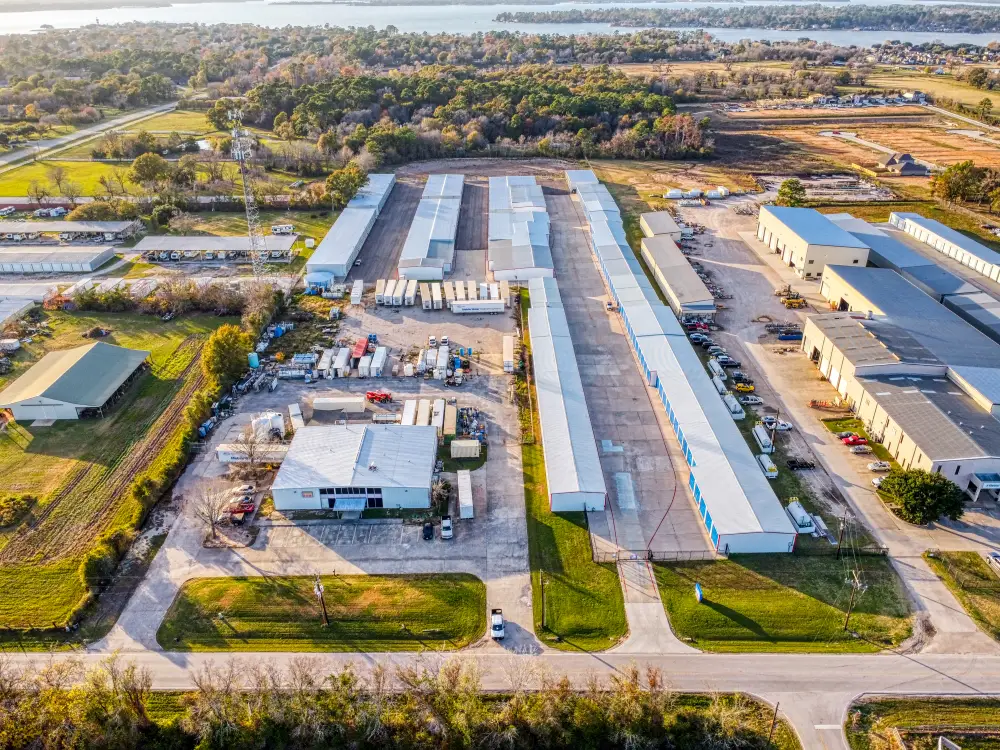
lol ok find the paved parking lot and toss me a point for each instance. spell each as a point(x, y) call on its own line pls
point(380, 254)
point(651, 507)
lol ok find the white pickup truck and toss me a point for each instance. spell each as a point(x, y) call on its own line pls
point(496, 624)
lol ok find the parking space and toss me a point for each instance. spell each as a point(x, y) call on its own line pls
point(651, 506)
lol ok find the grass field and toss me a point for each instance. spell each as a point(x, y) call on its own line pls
point(367, 613)
point(584, 606)
point(974, 584)
point(180, 121)
point(869, 721)
point(934, 85)
point(851, 424)
point(90, 459)
point(783, 603)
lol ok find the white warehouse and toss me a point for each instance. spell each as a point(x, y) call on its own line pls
point(429, 249)
point(518, 244)
point(53, 258)
point(950, 242)
point(572, 467)
point(808, 241)
point(338, 250)
point(357, 466)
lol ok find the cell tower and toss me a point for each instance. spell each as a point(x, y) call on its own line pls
point(242, 154)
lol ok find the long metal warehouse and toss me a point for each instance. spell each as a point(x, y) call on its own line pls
point(109, 230)
point(518, 243)
point(950, 242)
point(338, 250)
point(429, 249)
point(738, 507)
point(674, 275)
point(235, 246)
point(53, 258)
point(572, 467)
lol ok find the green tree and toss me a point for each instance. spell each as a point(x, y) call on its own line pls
point(280, 119)
point(923, 497)
point(149, 169)
point(978, 77)
point(327, 142)
point(985, 107)
point(224, 357)
point(791, 193)
point(959, 182)
point(344, 184)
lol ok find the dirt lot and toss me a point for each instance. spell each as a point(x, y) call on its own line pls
point(936, 145)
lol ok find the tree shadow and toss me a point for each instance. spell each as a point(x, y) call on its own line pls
point(742, 620)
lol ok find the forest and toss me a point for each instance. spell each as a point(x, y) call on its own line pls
point(944, 18)
point(448, 110)
point(255, 705)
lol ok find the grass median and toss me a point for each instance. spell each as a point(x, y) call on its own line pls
point(439, 612)
point(583, 602)
point(973, 584)
point(784, 603)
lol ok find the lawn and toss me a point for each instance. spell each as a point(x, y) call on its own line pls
point(973, 583)
point(367, 613)
point(585, 609)
point(314, 224)
point(15, 183)
point(181, 121)
point(869, 721)
point(851, 424)
point(783, 603)
point(39, 557)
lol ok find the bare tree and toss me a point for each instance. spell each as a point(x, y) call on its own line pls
point(209, 502)
point(183, 222)
point(251, 447)
point(71, 190)
point(37, 192)
point(57, 176)
point(120, 176)
point(108, 185)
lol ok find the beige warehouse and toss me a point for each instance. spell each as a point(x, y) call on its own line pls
point(808, 241)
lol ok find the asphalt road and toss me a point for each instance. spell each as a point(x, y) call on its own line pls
point(380, 254)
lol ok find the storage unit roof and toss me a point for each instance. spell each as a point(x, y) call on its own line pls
point(346, 235)
point(948, 234)
point(85, 375)
point(571, 460)
point(518, 228)
point(886, 249)
point(431, 239)
point(359, 455)
point(75, 227)
point(444, 186)
point(235, 244)
point(659, 222)
point(979, 309)
point(937, 282)
point(12, 307)
point(54, 254)
point(374, 193)
point(578, 177)
point(676, 271)
point(812, 227)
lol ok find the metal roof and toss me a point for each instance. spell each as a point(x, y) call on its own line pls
point(340, 456)
point(518, 231)
point(571, 460)
point(342, 243)
point(444, 186)
point(55, 254)
point(84, 376)
point(87, 227)
point(937, 415)
point(12, 308)
point(885, 249)
point(234, 244)
point(658, 222)
point(906, 221)
point(374, 193)
point(578, 177)
point(979, 309)
point(431, 239)
point(904, 315)
point(674, 271)
point(812, 227)
point(937, 282)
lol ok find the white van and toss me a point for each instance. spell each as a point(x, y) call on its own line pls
point(767, 466)
point(282, 228)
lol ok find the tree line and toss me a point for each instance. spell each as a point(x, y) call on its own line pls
point(255, 705)
point(945, 18)
point(964, 182)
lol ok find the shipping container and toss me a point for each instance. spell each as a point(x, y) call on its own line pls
point(342, 364)
point(508, 354)
point(431, 359)
point(466, 448)
point(735, 408)
point(295, 417)
point(390, 288)
point(385, 417)
point(436, 295)
point(505, 292)
point(437, 416)
point(380, 292)
point(448, 288)
point(486, 306)
point(346, 404)
point(763, 438)
point(409, 412)
point(450, 419)
point(473, 290)
point(379, 360)
point(357, 291)
point(465, 506)
point(399, 293)
point(410, 296)
point(365, 366)
point(360, 348)
point(421, 362)
point(442, 363)
point(484, 290)
point(425, 296)
point(494, 292)
point(424, 413)
point(460, 291)
point(325, 363)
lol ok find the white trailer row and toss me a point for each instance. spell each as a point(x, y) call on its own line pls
point(357, 291)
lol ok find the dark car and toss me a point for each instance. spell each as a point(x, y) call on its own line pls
point(739, 377)
point(428, 531)
point(798, 463)
point(707, 343)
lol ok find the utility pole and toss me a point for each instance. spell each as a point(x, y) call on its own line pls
point(774, 721)
point(856, 586)
point(318, 590)
point(843, 527)
point(545, 625)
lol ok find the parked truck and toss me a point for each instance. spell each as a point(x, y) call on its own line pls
point(491, 307)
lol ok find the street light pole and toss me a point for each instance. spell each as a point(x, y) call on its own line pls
point(544, 618)
point(318, 590)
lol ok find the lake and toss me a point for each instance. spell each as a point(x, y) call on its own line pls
point(431, 19)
